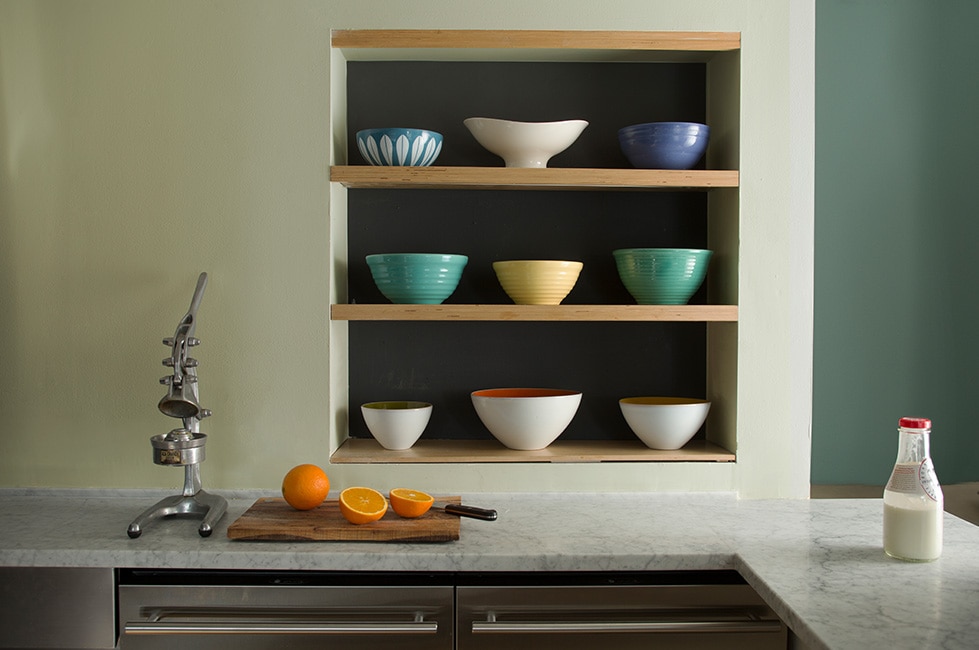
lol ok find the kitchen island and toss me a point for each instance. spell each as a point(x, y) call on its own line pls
point(818, 563)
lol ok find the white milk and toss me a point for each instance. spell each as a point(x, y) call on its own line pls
point(913, 499)
point(912, 527)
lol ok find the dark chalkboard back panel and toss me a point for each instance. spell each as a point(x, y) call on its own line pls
point(489, 226)
point(443, 362)
point(440, 95)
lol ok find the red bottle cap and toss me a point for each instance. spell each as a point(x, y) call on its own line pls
point(915, 423)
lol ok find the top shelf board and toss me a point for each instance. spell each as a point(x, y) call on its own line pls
point(366, 177)
point(532, 45)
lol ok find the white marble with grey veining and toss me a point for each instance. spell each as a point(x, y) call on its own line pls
point(818, 563)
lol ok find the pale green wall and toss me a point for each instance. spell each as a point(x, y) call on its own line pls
point(897, 227)
point(143, 142)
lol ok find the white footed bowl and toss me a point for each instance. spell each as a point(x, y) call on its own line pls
point(396, 425)
point(524, 144)
point(526, 418)
point(664, 422)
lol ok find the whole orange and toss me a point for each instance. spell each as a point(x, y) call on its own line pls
point(305, 486)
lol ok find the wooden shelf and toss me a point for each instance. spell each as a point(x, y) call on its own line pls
point(367, 450)
point(641, 313)
point(535, 39)
point(495, 178)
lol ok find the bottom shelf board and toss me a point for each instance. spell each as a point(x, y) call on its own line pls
point(367, 450)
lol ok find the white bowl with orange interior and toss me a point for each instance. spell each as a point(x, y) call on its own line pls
point(526, 418)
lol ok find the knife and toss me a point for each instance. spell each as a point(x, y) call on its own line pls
point(466, 511)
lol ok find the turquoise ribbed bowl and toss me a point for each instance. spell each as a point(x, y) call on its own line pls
point(416, 278)
point(662, 276)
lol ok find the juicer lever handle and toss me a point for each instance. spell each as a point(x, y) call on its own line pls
point(189, 322)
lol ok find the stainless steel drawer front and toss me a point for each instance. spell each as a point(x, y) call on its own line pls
point(672, 616)
point(263, 616)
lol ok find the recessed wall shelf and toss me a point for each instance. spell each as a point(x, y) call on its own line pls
point(538, 44)
point(386, 349)
point(705, 313)
point(362, 450)
point(496, 178)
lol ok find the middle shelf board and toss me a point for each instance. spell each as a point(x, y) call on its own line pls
point(489, 178)
point(367, 450)
point(570, 313)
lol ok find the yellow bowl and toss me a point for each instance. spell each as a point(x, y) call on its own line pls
point(537, 282)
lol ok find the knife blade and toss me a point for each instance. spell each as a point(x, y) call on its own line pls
point(459, 510)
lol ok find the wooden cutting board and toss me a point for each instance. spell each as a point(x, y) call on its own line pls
point(272, 519)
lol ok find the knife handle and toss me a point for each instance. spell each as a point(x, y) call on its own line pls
point(471, 511)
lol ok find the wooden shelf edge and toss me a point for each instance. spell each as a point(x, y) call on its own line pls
point(565, 313)
point(367, 450)
point(536, 39)
point(576, 178)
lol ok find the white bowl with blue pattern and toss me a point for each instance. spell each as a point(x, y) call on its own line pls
point(399, 147)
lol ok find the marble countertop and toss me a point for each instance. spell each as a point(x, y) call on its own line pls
point(818, 563)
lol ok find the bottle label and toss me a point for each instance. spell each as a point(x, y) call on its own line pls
point(914, 478)
point(927, 478)
point(904, 479)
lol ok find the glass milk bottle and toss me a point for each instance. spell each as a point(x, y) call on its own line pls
point(913, 499)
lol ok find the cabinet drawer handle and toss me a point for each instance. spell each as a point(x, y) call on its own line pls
point(600, 627)
point(244, 627)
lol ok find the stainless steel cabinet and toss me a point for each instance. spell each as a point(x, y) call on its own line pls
point(57, 607)
point(466, 611)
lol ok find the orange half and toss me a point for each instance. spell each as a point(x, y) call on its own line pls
point(361, 505)
point(410, 503)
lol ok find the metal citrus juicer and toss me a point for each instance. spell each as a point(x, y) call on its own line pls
point(183, 446)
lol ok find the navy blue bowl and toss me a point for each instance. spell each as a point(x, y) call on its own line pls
point(664, 145)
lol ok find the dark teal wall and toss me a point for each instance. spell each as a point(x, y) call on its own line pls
point(897, 235)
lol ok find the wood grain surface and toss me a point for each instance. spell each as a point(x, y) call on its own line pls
point(535, 38)
point(367, 450)
point(516, 178)
point(535, 313)
point(272, 519)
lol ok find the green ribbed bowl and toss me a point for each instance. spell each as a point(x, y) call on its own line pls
point(416, 278)
point(662, 276)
